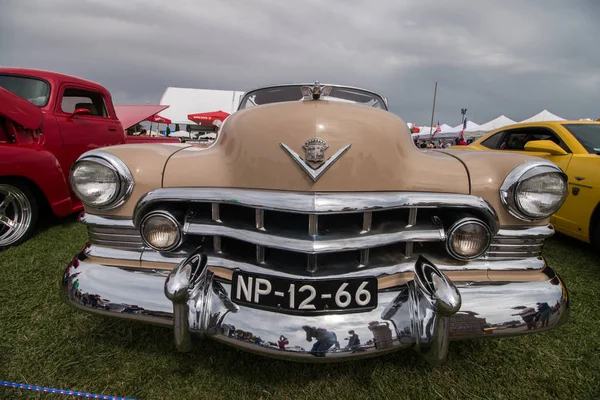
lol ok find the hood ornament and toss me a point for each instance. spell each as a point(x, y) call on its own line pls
point(314, 152)
point(316, 91)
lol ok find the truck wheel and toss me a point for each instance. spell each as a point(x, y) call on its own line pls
point(18, 213)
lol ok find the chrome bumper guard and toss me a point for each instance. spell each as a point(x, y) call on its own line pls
point(426, 313)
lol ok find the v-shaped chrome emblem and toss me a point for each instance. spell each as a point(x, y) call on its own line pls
point(314, 172)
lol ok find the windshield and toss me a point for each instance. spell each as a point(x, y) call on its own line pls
point(294, 93)
point(587, 134)
point(35, 91)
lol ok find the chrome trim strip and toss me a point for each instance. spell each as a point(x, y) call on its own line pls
point(399, 265)
point(521, 246)
point(320, 244)
point(117, 244)
point(94, 250)
point(318, 202)
point(109, 222)
point(535, 232)
point(115, 237)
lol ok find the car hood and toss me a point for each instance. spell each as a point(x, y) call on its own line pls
point(248, 152)
point(20, 110)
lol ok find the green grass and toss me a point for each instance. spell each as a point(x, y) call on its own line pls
point(45, 342)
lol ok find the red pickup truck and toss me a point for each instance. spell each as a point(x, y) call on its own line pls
point(47, 120)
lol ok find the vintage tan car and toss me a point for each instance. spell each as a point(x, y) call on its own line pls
point(312, 229)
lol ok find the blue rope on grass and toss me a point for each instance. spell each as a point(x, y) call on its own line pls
point(60, 391)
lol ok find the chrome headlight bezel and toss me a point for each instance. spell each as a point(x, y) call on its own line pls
point(512, 182)
point(108, 160)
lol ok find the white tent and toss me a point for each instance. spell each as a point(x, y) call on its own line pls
point(496, 123)
point(471, 126)
point(424, 130)
point(543, 116)
point(184, 101)
point(185, 134)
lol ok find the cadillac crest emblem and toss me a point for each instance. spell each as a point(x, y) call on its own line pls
point(314, 150)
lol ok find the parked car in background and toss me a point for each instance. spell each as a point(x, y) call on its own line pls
point(313, 217)
point(47, 120)
point(575, 147)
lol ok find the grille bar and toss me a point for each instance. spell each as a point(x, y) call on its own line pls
point(216, 217)
point(320, 243)
point(514, 243)
point(119, 236)
point(260, 225)
point(412, 220)
point(366, 228)
point(319, 202)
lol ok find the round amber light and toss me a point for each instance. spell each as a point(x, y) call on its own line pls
point(468, 239)
point(161, 231)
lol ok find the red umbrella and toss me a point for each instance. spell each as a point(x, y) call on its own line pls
point(208, 117)
point(158, 119)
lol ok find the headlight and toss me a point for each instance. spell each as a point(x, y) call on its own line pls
point(160, 231)
point(468, 238)
point(101, 180)
point(534, 190)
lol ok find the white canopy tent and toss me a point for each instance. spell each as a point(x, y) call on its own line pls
point(184, 134)
point(184, 101)
point(544, 115)
point(496, 123)
point(471, 126)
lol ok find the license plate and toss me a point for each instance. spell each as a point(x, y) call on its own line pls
point(303, 296)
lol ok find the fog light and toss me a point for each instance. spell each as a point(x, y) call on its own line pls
point(160, 231)
point(468, 238)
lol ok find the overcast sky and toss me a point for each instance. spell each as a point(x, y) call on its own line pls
point(492, 57)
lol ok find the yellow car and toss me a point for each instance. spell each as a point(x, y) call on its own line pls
point(575, 147)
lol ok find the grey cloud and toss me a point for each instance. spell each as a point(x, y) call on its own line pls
point(512, 58)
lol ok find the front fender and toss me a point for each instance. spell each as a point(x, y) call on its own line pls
point(43, 169)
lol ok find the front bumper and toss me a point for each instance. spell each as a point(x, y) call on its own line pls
point(425, 312)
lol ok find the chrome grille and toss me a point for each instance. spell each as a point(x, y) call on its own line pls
point(313, 232)
point(121, 234)
point(518, 243)
point(319, 228)
point(313, 235)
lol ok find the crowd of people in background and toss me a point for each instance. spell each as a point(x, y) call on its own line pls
point(442, 144)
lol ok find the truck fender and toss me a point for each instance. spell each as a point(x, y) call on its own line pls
point(43, 169)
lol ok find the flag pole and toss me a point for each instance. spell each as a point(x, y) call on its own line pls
point(432, 113)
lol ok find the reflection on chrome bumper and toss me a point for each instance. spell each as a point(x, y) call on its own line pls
point(425, 313)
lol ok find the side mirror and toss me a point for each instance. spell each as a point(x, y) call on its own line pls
point(80, 111)
point(545, 146)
